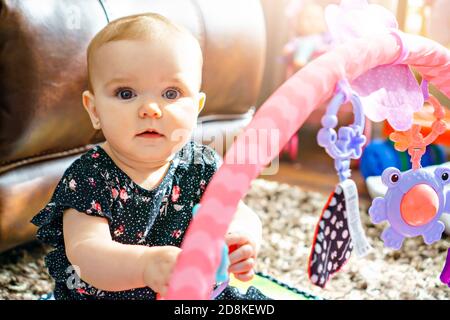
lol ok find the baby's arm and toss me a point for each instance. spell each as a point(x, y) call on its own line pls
point(244, 238)
point(112, 266)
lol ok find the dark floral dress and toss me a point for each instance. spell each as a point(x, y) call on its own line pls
point(94, 185)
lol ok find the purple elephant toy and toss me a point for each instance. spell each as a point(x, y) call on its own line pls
point(414, 201)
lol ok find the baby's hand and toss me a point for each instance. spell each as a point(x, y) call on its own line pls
point(242, 255)
point(159, 266)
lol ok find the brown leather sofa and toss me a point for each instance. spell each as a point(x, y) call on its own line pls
point(43, 126)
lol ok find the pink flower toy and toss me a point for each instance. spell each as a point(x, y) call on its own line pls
point(387, 92)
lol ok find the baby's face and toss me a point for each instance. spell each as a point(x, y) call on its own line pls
point(140, 86)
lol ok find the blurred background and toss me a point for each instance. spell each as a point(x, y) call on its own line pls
point(429, 18)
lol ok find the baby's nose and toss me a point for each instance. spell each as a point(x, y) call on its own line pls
point(150, 110)
point(419, 205)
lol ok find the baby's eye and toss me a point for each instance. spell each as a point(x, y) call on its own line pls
point(125, 94)
point(171, 93)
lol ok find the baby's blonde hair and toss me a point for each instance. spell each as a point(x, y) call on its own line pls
point(135, 27)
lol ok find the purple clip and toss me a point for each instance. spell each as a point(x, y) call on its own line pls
point(445, 275)
point(425, 92)
point(347, 143)
point(344, 87)
point(216, 292)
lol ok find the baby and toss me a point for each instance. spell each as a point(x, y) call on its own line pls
point(119, 214)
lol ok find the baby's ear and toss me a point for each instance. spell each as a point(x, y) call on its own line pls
point(201, 101)
point(89, 105)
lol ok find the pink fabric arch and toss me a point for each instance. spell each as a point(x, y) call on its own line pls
point(285, 112)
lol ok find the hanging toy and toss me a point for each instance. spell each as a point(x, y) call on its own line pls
point(415, 199)
point(339, 229)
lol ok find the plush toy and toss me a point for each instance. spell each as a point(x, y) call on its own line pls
point(309, 38)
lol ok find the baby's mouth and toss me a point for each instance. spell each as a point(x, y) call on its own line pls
point(150, 133)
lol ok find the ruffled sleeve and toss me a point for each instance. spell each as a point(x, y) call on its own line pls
point(82, 188)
